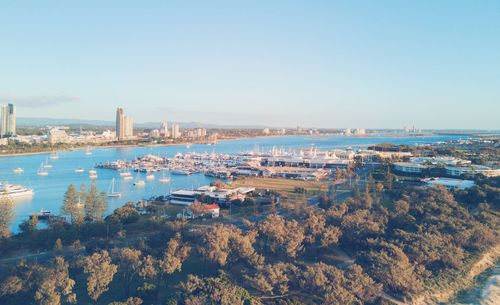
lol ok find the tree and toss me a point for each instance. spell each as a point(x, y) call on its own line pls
point(175, 255)
point(71, 205)
point(6, 215)
point(100, 272)
point(129, 262)
point(58, 247)
point(29, 226)
point(96, 204)
point(280, 236)
point(56, 286)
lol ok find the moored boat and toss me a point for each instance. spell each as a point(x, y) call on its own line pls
point(14, 190)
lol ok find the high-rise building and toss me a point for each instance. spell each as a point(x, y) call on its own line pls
point(129, 127)
point(120, 124)
point(164, 129)
point(176, 133)
point(8, 127)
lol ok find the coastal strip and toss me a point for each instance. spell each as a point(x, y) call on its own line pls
point(446, 291)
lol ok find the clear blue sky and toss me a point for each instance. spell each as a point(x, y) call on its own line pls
point(435, 64)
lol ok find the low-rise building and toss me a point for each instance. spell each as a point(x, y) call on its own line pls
point(450, 183)
point(410, 167)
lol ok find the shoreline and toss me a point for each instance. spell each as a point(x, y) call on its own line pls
point(445, 292)
point(16, 154)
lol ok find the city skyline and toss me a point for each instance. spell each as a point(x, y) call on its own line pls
point(328, 65)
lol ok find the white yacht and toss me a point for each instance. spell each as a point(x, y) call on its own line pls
point(18, 170)
point(14, 191)
point(92, 172)
point(139, 182)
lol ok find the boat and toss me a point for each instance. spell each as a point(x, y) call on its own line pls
point(181, 172)
point(94, 176)
point(14, 191)
point(92, 172)
point(150, 177)
point(47, 165)
point(54, 156)
point(125, 174)
point(139, 182)
point(88, 152)
point(127, 177)
point(41, 171)
point(18, 170)
point(79, 170)
point(42, 215)
point(112, 192)
point(164, 179)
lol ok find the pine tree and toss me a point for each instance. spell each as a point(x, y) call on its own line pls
point(70, 205)
point(6, 215)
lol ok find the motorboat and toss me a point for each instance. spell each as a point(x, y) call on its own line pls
point(42, 215)
point(14, 190)
point(18, 170)
point(139, 182)
point(181, 172)
point(92, 172)
point(79, 170)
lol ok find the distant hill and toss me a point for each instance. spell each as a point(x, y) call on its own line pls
point(78, 122)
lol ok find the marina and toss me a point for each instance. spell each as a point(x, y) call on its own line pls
point(49, 188)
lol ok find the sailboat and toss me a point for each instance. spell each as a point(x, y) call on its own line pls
point(54, 156)
point(88, 152)
point(150, 177)
point(139, 182)
point(41, 171)
point(47, 165)
point(112, 192)
point(79, 170)
point(164, 179)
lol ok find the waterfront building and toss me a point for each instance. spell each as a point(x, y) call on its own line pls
point(129, 127)
point(164, 129)
point(347, 132)
point(201, 132)
point(124, 125)
point(360, 132)
point(8, 127)
point(57, 135)
point(266, 131)
point(154, 133)
point(120, 124)
point(176, 133)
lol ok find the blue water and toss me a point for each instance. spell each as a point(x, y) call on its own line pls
point(49, 190)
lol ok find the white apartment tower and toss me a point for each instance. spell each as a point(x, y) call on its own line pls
point(176, 133)
point(129, 127)
point(120, 124)
point(124, 125)
point(8, 127)
point(164, 129)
